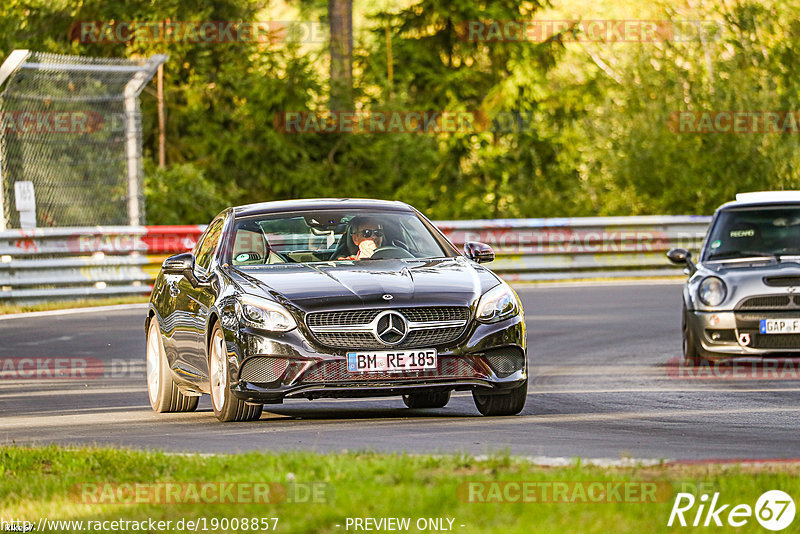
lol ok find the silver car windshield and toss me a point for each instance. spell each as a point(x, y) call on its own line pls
point(328, 236)
point(758, 232)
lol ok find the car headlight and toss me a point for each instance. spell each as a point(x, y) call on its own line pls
point(712, 291)
point(498, 304)
point(264, 314)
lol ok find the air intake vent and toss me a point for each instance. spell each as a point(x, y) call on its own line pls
point(782, 281)
point(263, 370)
point(767, 302)
point(505, 361)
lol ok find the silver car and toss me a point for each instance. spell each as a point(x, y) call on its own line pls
point(742, 297)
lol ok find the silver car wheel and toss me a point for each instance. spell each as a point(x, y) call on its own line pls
point(219, 371)
point(153, 362)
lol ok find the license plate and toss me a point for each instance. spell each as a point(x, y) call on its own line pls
point(780, 326)
point(394, 360)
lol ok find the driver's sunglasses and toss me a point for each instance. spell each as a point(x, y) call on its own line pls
point(369, 233)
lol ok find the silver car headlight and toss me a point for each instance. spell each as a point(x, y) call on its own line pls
point(497, 304)
point(712, 291)
point(264, 314)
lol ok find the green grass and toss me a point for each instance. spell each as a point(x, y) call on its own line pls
point(7, 308)
point(45, 482)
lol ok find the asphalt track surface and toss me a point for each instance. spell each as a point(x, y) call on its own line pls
point(601, 387)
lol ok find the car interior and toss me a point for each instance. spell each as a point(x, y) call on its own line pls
point(252, 246)
point(762, 232)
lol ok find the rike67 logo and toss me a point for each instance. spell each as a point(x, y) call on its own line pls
point(774, 510)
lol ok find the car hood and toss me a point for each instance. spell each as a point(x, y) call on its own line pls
point(316, 286)
point(748, 279)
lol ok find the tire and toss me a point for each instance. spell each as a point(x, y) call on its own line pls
point(226, 407)
point(438, 399)
point(161, 388)
point(691, 353)
point(510, 403)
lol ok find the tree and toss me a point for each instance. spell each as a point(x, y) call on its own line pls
point(340, 16)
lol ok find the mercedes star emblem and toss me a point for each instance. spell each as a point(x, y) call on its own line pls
point(390, 328)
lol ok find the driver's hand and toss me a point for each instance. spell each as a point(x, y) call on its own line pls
point(366, 248)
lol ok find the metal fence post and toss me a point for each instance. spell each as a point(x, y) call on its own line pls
point(133, 133)
point(132, 156)
point(9, 66)
point(2, 191)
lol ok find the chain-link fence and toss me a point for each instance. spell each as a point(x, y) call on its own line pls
point(71, 127)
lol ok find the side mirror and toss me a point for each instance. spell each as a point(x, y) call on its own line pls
point(179, 264)
point(679, 256)
point(183, 264)
point(478, 252)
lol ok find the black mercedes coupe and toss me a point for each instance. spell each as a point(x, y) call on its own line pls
point(332, 298)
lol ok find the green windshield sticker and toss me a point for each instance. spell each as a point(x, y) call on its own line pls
point(716, 244)
point(242, 257)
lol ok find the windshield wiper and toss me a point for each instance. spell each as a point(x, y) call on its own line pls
point(744, 255)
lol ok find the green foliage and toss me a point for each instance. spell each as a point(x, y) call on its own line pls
point(744, 64)
point(485, 174)
point(181, 193)
point(590, 120)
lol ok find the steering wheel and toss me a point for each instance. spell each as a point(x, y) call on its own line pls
point(390, 253)
point(398, 243)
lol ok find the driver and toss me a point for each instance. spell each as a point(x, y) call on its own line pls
point(367, 234)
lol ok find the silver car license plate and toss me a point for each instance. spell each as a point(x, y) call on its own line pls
point(780, 326)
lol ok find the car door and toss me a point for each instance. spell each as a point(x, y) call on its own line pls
point(165, 298)
point(199, 299)
point(192, 308)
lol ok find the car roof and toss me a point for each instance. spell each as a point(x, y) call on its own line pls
point(319, 204)
point(763, 198)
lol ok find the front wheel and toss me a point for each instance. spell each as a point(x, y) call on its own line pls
point(161, 388)
point(691, 353)
point(226, 406)
point(510, 403)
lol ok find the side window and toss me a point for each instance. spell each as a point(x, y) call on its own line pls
point(205, 250)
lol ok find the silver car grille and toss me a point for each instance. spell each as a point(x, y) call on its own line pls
point(769, 302)
point(751, 310)
point(767, 342)
point(356, 329)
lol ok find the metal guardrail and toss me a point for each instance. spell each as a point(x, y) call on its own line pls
point(57, 263)
point(585, 247)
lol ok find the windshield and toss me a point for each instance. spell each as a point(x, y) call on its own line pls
point(757, 231)
point(325, 236)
